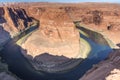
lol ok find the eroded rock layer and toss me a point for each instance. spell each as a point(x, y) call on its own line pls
point(12, 22)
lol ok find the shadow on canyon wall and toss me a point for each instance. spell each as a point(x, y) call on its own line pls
point(17, 14)
point(95, 36)
point(2, 20)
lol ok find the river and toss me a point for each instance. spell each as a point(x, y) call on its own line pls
point(23, 69)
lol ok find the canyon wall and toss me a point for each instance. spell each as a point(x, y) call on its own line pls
point(12, 22)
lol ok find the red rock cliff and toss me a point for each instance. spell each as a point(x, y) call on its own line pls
point(12, 22)
point(15, 19)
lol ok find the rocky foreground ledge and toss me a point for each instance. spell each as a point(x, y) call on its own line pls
point(108, 69)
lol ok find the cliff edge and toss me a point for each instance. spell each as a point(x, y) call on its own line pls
point(108, 69)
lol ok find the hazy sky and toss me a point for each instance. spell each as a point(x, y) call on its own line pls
point(113, 1)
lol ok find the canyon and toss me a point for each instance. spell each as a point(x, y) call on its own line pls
point(56, 40)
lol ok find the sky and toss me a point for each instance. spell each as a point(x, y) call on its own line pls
point(74, 1)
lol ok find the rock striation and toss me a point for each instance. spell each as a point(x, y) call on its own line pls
point(16, 20)
point(12, 22)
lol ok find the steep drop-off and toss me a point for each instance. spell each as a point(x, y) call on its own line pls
point(12, 22)
point(108, 69)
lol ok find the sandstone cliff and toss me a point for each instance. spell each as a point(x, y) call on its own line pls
point(16, 20)
point(12, 22)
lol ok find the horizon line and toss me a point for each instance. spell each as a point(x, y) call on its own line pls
point(52, 2)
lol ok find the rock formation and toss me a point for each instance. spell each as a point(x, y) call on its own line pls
point(12, 22)
point(57, 35)
point(17, 20)
point(108, 69)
